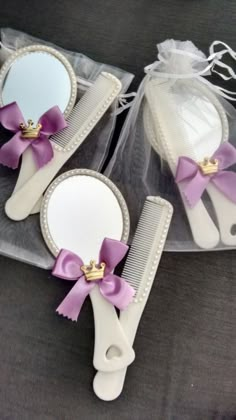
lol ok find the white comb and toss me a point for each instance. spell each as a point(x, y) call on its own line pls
point(83, 118)
point(139, 270)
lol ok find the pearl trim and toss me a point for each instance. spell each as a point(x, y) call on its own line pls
point(45, 49)
point(141, 295)
point(105, 104)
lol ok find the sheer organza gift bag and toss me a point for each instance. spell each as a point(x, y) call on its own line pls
point(23, 240)
point(178, 112)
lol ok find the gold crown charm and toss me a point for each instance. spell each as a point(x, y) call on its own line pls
point(209, 166)
point(29, 131)
point(93, 271)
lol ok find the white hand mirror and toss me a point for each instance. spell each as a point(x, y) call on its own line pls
point(197, 127)
point(79, 210)
point(37, 78)
point(206, 127)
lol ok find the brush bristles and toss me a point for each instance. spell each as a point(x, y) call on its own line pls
point(147, 245)
point(88, 111)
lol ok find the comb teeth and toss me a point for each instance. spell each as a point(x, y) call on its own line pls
point(147, 245)
point(88, 111)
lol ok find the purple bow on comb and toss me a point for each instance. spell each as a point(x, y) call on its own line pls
point(70, 266)
point(197, 175)
point(34, 136)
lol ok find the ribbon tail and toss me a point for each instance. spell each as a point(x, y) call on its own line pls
point(70, 307)
point(225, 182)
point(193, 190)
point(117, 291)
point(11, 151)
point(42, 150)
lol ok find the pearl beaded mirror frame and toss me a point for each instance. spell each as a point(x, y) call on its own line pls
point(38, 77)
point(80, 208)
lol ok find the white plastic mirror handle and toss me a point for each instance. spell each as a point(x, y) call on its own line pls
point(27, 170)
point(225, 213)
point(204, 230)
point(108, 386)
point(108, 332)
point(20, 204)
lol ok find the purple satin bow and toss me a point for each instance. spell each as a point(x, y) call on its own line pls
point(113, 288)
point(196, 182)
point(11, 118)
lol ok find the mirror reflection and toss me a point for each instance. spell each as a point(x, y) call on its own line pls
point(37, 81)
point(81, 212)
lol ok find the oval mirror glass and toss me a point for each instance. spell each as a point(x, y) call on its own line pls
point(79, 210)
point(38, 78)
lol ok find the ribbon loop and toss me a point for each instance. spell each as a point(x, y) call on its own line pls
point(195, 181)
point(113, 288)
point(12, 119)
point(67, 265)
point(52, 121)
point(112, 252)
point(226, 155)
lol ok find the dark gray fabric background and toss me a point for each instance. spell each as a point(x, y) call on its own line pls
point(185, 365)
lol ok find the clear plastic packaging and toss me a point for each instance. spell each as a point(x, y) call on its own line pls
point(23, 240)
point(139, 170)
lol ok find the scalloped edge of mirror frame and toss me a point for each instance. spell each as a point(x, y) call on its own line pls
point(44, 49)
point(83, 172)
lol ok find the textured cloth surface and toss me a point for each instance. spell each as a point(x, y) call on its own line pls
point(185, 365)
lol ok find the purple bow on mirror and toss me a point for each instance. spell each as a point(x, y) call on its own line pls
point(32, 135)
point(196, 176)
point(115, 289)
